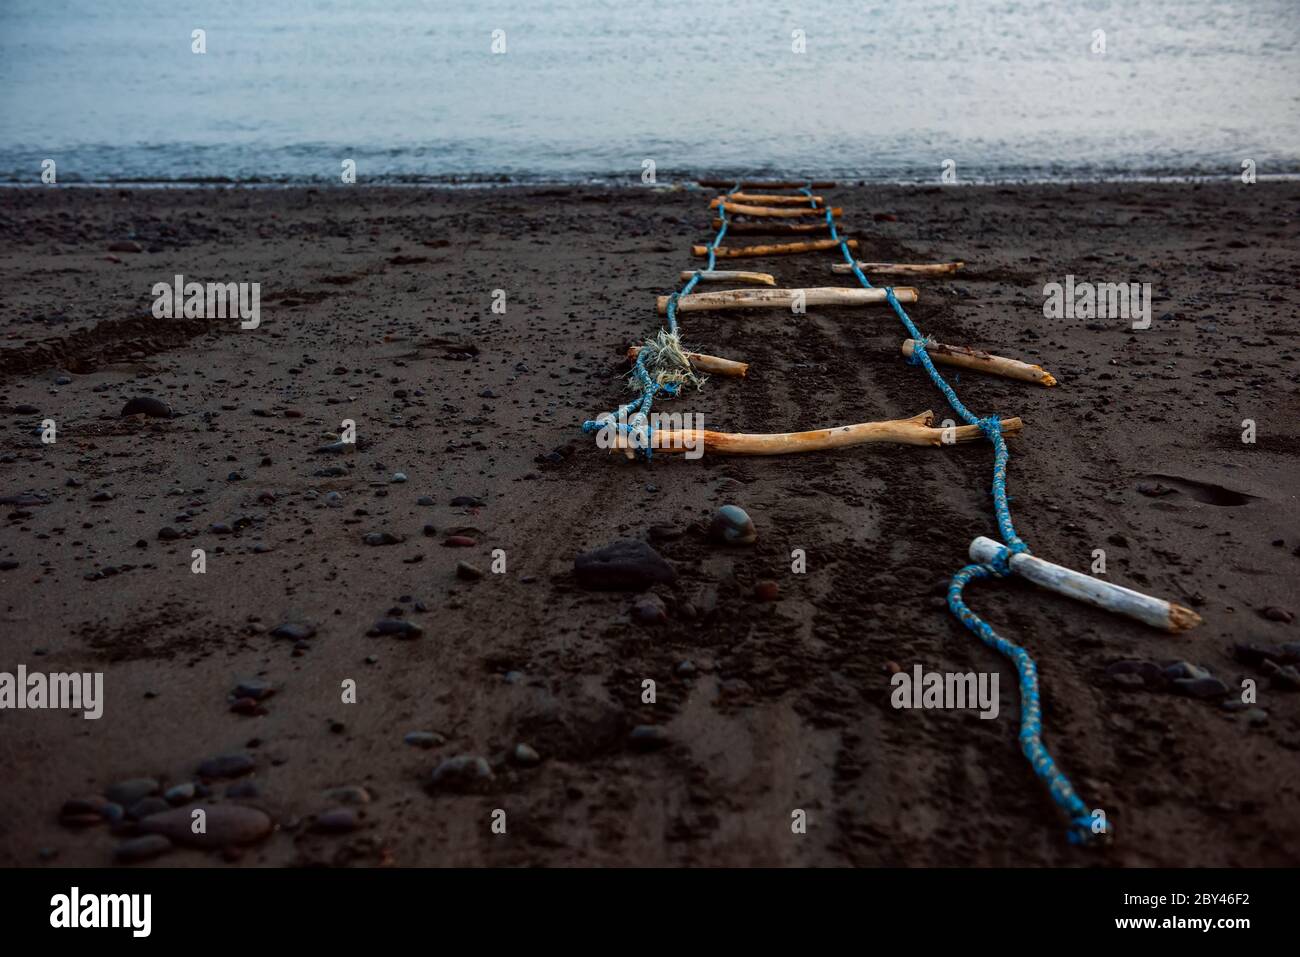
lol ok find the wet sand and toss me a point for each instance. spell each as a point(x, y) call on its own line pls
point(376, 306)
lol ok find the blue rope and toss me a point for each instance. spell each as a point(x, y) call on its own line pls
point(1031, 719)
point(638, 410)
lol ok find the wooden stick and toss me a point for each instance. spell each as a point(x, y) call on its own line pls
point(811, 246)
point(724, 275)
point(902, 269)
point(768, 199)
point(967, 358)
point(711, 364)
point(1064, 581)
point(914, 431)
point(764, 184)
point(771, 226)
point(780, 212)
point(768, 298)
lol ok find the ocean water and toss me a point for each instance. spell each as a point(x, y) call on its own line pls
point(412, 91)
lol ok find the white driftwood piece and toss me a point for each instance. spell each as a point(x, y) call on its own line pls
point(714, 365)
point(730, 275)
point(1155, 612)
point(767, 298)
point(901, 269)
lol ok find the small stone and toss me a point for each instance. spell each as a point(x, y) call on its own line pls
point(398, 627)
point(1274, 613)
point(425, 500)
point(767, 590)
point(398, 478)
point(255, 688)
point(128, 792)
point(1207, 687)
point(468, 572)
point(333, 500)
point(462, 772)
point(146, 405)
point(648, 737)
point(338, 821)
point(336, 448)
point(732, 525)
point(424, 739)
point(294, 630)
point(83, 811)
point(686, 669)
point(227, 766)
point(382, 538)
point(352, 795)
point(1255, 717)
point(459, 541)
point(1185, 671)
point(141, 849)
point(625, 565)
point(649, 610)
point(467, 501)
point(525, 755)
point(168, 534)
point(145, 807)
point(179, 793)
point(226, 825)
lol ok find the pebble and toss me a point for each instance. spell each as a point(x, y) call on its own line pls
point(1185, 671)
point(382, 538)
point(459, 541)
point(141, 849)
point(145, 807)
point(467, 501)
point(350, 794)
point(1256, 717)
point(255, 688)
point(90, 810)
point(336, 448)
point(1206, 687)
point(128, 792)
point(424, 739)
point(399, 627)
point(767, 590)
point(526, 755)
point(295, 630)
point(1148, 672)
point(227, 766)
point(1274, 613)
point(398, 478)
point(625, 565)
point(686, 669)
point(147, 405)
point(648, 737)
point(425, 500)
point(468, 572)
point(340, 820)
point(732, 525)
point(226, 825)
point(649, 610)
point(462, 772)
point(168, 534)
point(180, 793)
point(333, 500)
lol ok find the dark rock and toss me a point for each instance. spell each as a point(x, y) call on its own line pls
point(1184, 671)
point(731, 525)
point(141, 849)
point(147, 405)
point(295, 630)
point(1274, 613)
point(383, 538)
point(649, 610)
point(349, 794)
point(424, 739)
point(648, 737)
point(468, 572)
point(1206, 687)
point(340, 820)
point(463, 772)
point(128, 792)
point(626, 565)
point(467, 501)
point(180, 793)
point(526, 755)
point(225, 825)
point(227, 766)
point(398, 627)
point(147, 806)
point(255, 688)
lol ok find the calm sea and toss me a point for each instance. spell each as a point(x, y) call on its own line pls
point(412, 90)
